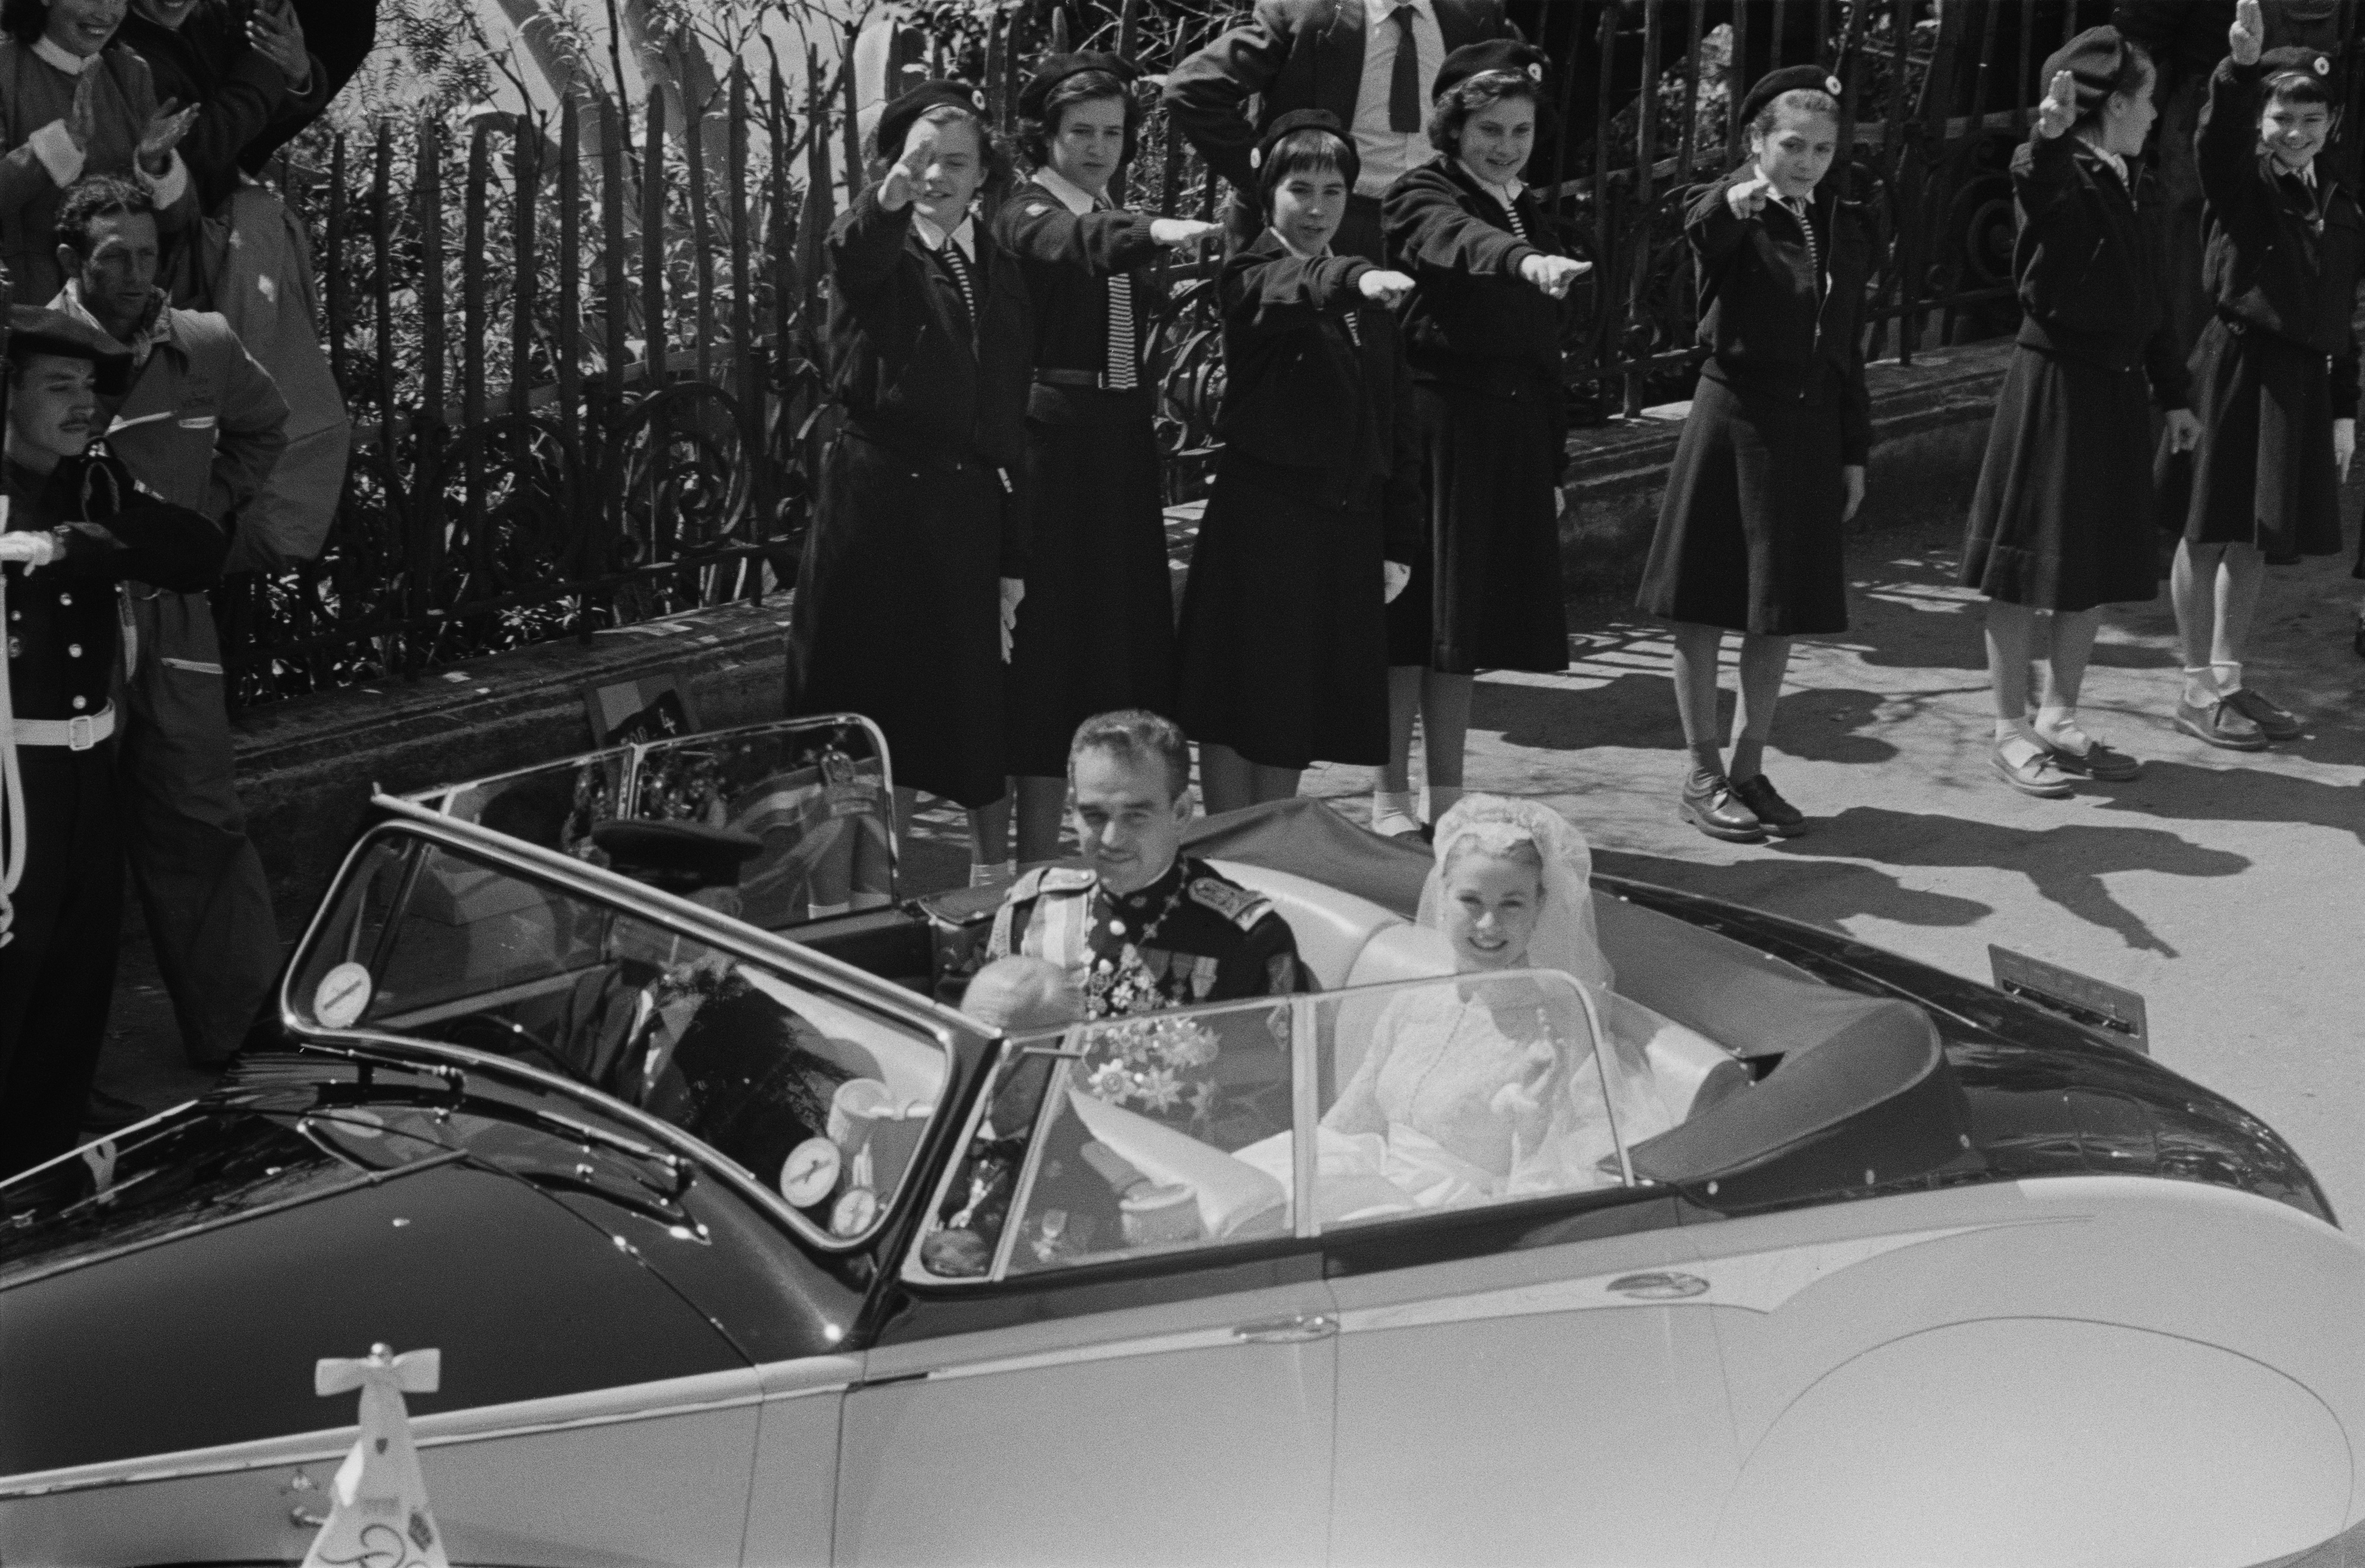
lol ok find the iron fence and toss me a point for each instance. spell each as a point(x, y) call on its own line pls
point(583, 366)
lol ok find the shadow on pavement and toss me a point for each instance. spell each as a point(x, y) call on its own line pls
point(1823, 894)
point(2187, 792)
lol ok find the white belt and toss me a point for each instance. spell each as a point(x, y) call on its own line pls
point(74, 734)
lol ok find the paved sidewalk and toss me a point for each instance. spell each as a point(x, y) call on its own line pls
point(2225, 887)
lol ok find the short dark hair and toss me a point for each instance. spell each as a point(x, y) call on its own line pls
point(1036, 135)
point(1136, 735)
point(95, 196)
point(1312, 151)
point(2295, 88)
point(990, 149)
point(24, 20)
point(1806, 100)
point(2135, 70)
point(1457, 103)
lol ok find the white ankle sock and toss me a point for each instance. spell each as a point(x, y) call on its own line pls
point(2200, 685)
point(1442, 798)
point(2005, 728)
point(2228, 678)
point(1392, 812)
point(2058, 727)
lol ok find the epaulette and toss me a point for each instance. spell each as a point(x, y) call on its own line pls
point(1242, 906)
point(1059, 879)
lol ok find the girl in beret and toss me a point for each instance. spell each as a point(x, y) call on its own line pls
point(916, 558)
point(2061, 521)
point(2274, 376)
point(1316, 510)
point(1096, 631)
point(1483, 337)
point(1771, 462)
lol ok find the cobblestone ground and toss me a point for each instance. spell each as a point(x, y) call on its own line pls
point(2225, 888)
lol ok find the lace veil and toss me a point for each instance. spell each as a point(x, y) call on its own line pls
point(1567, 937)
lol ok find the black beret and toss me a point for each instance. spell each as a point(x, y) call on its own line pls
point(895, 119)
point(2093, 57)
point(1495, 54)
point(2292, 60)
point(1058, 67)
point(1790, 79)
point(36, 329)
point(1350, 160)
point(677, 856)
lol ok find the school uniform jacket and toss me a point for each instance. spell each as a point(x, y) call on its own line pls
point(2280, 260)
point(1320, 415)
point(1292, 54)
point(908, 366)
point(1776, 314)
point(2090, 266)
point(1067, 259)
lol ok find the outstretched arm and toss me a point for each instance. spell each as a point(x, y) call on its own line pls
point(1208, 94)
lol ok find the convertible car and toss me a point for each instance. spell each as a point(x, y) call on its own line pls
point(739, 1244)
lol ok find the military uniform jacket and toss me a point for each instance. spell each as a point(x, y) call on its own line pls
point(61, 617)
point(1189, 938)
point(2092, 266)
point(1473, 322)
point(2280, 258)
point(1067, 259)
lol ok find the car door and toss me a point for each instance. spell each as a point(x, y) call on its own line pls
point(1519, 1378)
point(1114, 1343)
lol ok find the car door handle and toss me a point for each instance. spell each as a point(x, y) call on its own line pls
point(1659, 1285)
point(1291, 1330)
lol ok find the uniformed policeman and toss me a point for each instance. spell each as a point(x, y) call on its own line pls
point(1142, 926)
point(75, 526)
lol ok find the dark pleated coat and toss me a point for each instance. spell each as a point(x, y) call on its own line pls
point(919, 511)
point(2062, 516)
point(1096, 630)
point(1484, 350)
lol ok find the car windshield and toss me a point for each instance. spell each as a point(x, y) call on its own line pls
point(815, 794)
point(1296, 1116)
point(817, 1096)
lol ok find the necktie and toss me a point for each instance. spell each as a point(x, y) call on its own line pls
point(963, 278)
point(1123, 352)
point(1354, 329)
point(1511, 211)
point(1807, 226)
point(1403, 84)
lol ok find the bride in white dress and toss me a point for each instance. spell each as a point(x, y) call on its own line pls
point(1481, 1091)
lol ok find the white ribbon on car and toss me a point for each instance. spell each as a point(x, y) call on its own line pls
point(380, 1515)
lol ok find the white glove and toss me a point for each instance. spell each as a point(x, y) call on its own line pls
point(27, 548)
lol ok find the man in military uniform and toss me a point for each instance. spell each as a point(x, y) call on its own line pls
point(1142, 926)
point(74, 527)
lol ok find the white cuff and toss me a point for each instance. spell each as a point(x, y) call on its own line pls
point(168, 187)
point(57, 151)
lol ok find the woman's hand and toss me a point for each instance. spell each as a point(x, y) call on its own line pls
point(1176, 232)
point(1852, 486)
point(82, 115)
point(1012, 590)
point(1748, 198)
point(2246, 39)
point(1528, 1099)
point(1394, 576)
point(1382, 286)
point(1553, 273)
point(2183, 429)
point(2059, 112)
point(902, 184)
point(277, 35)
point(26, 548)
point(2344, 444)
point(164, 134)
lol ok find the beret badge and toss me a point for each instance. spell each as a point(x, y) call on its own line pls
point(1831, 86)
point(1535, 72)
point(2323, 66)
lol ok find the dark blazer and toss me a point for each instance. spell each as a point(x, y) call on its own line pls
point(1321, 416)
point(1067, 260)
point(1473, 322)
point(2092, 266)
point(2277, 260)
point(1292, 54)
point(1773, 321)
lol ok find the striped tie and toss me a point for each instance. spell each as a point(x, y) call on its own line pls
point(1354, 329)
point(1511, 211)
point(1807, 225)
point(963, 278)
point(1123, 349)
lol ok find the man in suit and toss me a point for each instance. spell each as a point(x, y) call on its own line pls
point(1371, 62)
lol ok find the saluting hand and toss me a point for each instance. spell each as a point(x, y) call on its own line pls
point(1748, 198)
point(1177, 233)
point(2246, 39)
point(2059, 112)
point(2183, 429)
point(1384, 287)
point(1553, 275)
point(2344, 444)
point(902, 184)
point(277, 35)
point(164, 133)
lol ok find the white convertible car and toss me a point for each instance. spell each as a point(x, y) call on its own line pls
point(739, 1245)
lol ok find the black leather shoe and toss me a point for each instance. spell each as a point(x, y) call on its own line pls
point(1778, 816)
point(1709, 803)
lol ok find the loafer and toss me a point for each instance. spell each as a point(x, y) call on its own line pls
point(2097, 761)
point(2040, 775)
point(1778, 816)
point(2221, 724)
point(1711, 806)
point(2275, 724)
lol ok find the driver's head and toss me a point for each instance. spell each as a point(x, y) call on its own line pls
point(1020, 993)
point(1129, 784)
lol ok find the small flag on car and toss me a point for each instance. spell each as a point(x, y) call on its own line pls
point(380, 1515)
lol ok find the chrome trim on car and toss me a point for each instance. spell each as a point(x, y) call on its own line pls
point(1109, 1350)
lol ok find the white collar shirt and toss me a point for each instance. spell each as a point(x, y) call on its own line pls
point(51, 52)
point(1387, 153)
point(1073, 197)
point(963, 234)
